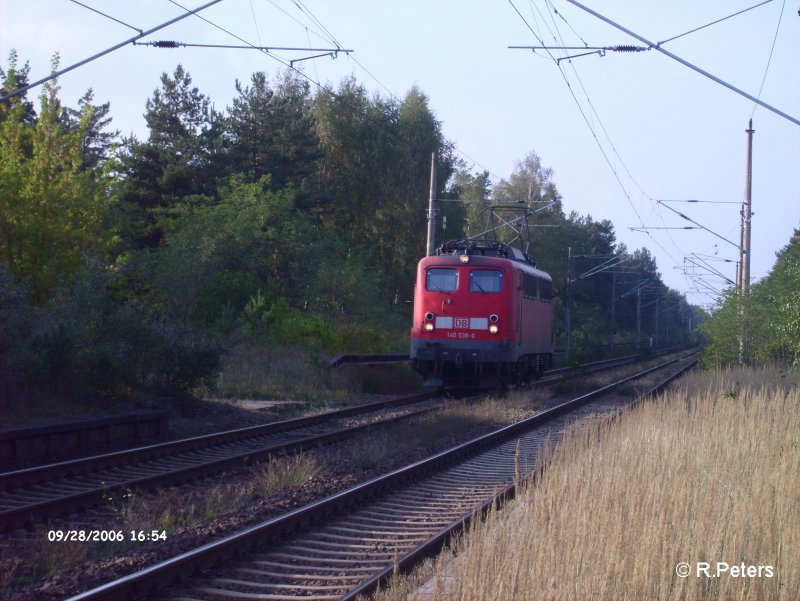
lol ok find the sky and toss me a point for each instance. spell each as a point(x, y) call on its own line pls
point(621, 131)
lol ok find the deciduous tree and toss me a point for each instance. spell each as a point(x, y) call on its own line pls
point(52, 204)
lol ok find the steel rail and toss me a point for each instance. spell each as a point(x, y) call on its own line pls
point(45, 491)
point(196, 456)
point(436, 543)
point(143, 583)
point(42, 473)
point(77, 466)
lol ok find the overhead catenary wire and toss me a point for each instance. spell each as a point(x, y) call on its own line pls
point(696, 29)
point(539, 38)
point(176, 44)
point(686, 63)
point(305, 10)
point(692, 200)
point(299, 22)
point(286, 63)
point(580, 108)
point(757, 100)
point(255, 23)
point(559, 15)
point(290, 63)
point(769, 60)
point(60, 72)
point(625, 191)
point(702, 226)
point(708, 267)
point(655, 206)
point(94, 10)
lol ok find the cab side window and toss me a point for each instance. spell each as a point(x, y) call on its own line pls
point(546, 289)
point(530, 286)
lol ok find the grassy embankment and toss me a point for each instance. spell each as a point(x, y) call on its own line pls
point(709, 474)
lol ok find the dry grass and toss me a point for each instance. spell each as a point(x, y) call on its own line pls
point(172, 510)
point(282, 473)
point(30, 562)
point(287, 373)
point(575, 384)
point(710, 473)
point(447, 425)
point(258, 371)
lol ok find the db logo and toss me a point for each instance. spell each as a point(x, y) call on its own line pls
point(460, 322)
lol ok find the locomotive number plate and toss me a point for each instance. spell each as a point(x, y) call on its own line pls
point(461, 335)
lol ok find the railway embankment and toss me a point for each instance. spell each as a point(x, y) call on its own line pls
point(693, 496)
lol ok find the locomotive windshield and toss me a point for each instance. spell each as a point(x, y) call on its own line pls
point(485, 280)
point(441, 280)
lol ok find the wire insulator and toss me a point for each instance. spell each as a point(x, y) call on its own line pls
point(627, 48)
point(166, 44)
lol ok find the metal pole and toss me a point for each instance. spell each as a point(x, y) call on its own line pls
point(739, 287)
point(569, 304)
point(745, 251)
point(613, 299)
point(748, 211)
point(655, 334)
point(638, 317)
point(432, 210)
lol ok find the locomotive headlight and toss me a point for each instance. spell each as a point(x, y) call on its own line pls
point(493, 329)
point(429, 316)
point(464, 258)
point(494, 318)
point(428, 327)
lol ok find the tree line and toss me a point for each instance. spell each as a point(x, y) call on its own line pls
point(291, 217)
point(763, 326)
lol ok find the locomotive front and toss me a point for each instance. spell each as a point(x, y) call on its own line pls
point(475, 325)
point(461, 310)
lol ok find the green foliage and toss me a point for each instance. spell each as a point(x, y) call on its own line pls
point(375, 176)
point(283, 325)
point(89, 342)
point(176, 168)
point(765, 326)
point(293, 327)
point(14, 78)
point(788, 319)
point(15, 323)
point(292, 220)
point(53, 204)
point(272, 132)
point(218, 256)
point(357, 338)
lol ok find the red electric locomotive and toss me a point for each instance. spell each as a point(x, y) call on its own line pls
point(483, 316)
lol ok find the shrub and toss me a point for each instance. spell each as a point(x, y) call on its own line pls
point(15, 321)
point(357, 338)
point(90, 342)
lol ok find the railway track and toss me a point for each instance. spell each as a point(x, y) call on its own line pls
point(350, 543)
point(45, 491)
point(41, 492)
